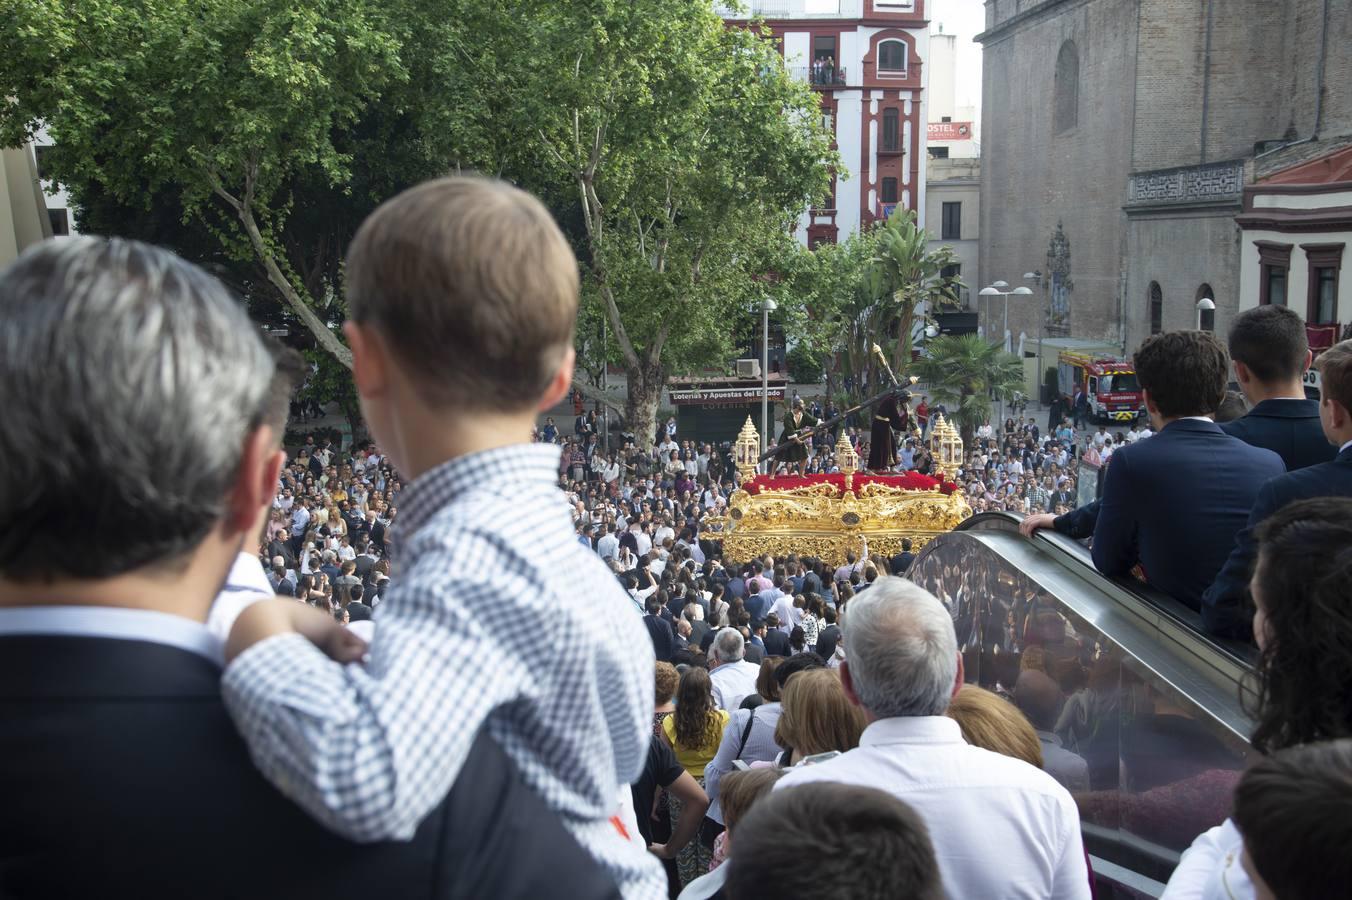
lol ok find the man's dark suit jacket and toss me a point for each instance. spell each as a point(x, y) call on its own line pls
point(365, 565)
point(124, 777)
point(901, 563)
point(1289, 428)
point(1224, 610)
point(776, 642)
point(1078, 523)
point(698, 629)
point(664, 639)
point(1175, 503)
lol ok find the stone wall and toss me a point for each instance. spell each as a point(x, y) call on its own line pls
point(1033, 178)
point(1149, 100)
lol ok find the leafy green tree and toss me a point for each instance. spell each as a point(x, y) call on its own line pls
point(688, 151)
point(964, 374)
point(675, 151)
point(230, 106)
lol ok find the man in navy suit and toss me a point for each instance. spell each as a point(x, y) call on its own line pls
point(1223, 607)
point(1174, 503)
point(1270, 353)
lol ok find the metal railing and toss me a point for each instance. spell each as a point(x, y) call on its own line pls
point(821, 76)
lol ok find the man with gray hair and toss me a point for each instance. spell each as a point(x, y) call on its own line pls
point(139, 459)
point(733, 677)
point(902, 666)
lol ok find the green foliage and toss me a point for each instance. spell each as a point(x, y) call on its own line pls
point(805, 366)
point(688, 152)
point(675, 151)
point(874, 288)
point(964, 373)
point(329, 381)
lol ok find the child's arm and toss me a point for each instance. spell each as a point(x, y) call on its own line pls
point(369, 751)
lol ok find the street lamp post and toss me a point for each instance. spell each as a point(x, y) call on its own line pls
point(998, 290)
point(1206, 304)
point(767, 306)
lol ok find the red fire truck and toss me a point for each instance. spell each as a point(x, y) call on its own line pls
point(1112, 388)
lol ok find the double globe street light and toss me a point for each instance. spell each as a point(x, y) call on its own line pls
point(1000, 289)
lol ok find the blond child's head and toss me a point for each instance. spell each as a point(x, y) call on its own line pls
point(462, 298)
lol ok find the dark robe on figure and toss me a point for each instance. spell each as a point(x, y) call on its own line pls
point(882, 446)
point(794, 453)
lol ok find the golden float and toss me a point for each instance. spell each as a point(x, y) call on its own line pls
point(829, 516)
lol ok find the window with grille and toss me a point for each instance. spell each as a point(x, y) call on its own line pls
point(889, 190)
point(891, 130)
point(892, 57)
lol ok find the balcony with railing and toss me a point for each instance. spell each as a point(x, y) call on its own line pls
point(791, 9)
point(820, 76)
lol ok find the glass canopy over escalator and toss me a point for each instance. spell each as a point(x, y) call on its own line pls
point(1139, 714)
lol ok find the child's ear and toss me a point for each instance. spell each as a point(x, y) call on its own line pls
point(561, 383)
point(369, 359)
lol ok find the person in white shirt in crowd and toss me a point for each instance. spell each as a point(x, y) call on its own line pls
point(789, 615)
point(734, 679)
point(608, 545)
point(1101, 437)
point(643, 543)
point(902, 667)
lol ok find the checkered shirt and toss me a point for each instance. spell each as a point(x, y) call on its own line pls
point(497, 615)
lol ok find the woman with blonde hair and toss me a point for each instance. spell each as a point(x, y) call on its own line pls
point(816, 717)
point(694, 731)
point(993, 723)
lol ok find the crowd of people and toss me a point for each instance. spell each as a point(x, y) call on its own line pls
point(566, 688)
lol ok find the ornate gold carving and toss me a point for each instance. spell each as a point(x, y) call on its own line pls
point(946, 444)
point(817, 520)
point(846, 459)
point(746, 451)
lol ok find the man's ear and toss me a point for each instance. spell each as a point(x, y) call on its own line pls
point(370, 361)
point(962, 677)
point(255, 483)
point(847, 683)
point(1244, 376)
point(1149, 401)
point(561, 383)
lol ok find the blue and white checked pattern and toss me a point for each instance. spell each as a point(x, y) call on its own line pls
point(497, 614)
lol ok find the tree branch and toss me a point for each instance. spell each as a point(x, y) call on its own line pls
point(326, 338)
point(621, 334)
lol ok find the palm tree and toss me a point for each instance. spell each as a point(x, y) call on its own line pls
point(911, 276)
point(964, 374)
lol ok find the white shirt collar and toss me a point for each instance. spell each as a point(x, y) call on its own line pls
point(912, 730)
point(1345, 446)
point(1194, 418)
point(116, 623)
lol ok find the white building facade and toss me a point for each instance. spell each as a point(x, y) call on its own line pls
point(1294, 232)
point(865, 58)
point(23, 215)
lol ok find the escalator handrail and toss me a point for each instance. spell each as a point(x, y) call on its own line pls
point(1175, 652)
point(1238, 653)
